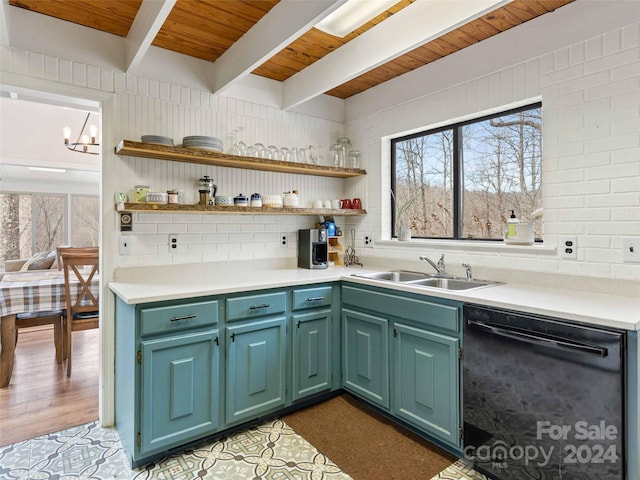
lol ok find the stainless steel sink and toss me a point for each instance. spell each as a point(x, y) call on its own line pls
point(394, 276)
point(451, 283)
point(423, 280)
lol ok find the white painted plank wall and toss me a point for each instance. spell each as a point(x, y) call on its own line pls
point(146, 106)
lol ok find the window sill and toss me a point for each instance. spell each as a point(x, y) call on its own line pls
point(478, 246)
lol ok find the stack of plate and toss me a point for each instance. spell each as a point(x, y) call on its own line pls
point(157, 139)
point(199, 142)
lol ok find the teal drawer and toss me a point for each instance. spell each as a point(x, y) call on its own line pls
point(425, 312)
point(252, 306)
point(312, 297)
point(178, 317)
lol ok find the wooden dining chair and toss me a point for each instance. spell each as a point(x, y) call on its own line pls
point(37, 319)
point(61, 250)
point(83, 309)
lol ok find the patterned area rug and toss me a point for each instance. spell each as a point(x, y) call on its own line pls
point(267, 452)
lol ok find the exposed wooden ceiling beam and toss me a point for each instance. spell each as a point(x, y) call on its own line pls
point(411, 27)
point(149, 20)
point(284, 23)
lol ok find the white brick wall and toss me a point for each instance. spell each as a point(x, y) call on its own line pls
point(591, 153)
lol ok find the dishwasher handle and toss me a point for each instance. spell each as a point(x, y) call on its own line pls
point(544, 341)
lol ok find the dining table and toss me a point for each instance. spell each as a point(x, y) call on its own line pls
point(31, 291)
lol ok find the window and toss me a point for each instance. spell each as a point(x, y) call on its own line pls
point(461, 181)
point(39, 222)
point(85, 225)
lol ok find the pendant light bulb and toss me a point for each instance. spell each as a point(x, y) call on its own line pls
point(93, 131)
point(66, 132)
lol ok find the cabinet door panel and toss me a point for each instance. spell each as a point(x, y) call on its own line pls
point(366, 356)
point(311, 353)
point(426, 376)
point(255, 368)
point(179, 400)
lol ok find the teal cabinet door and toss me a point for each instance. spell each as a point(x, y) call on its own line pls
point(179, 397)
point(311, 353)
point(255, 368)
point(365, 355)
point(426, 381)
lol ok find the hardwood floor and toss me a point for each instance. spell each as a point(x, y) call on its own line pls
point(40, 398)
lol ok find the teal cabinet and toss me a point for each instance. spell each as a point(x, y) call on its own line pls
point(311, 353)
point(419, 364)
point(426, 381)
point(180, 389)
point(365, 356)
point(168, 375)
point(255, 368)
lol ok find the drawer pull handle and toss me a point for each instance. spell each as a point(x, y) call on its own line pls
point(258, 307)
point(186, 317)
point(315, 299)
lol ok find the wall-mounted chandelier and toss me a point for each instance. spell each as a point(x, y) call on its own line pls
point(86, 143)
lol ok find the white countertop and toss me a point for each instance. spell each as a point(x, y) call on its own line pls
point(153, 284)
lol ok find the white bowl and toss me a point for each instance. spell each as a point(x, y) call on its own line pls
point(224, 201)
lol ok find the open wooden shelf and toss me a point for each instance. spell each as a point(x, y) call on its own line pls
point(179, 154)
point(182, 208)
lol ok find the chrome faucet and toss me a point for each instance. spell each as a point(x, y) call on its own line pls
point(439, 267)
point(467, 269)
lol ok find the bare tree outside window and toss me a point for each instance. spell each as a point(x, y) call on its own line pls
point(461, 181)
point(37, 222)
point(85, 224)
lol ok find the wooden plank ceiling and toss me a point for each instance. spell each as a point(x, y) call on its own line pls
point(205, 29)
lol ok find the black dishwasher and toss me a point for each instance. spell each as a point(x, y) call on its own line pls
point(543, 398)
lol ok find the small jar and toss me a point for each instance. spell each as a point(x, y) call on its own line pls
point(240, 201)
point(141, 193)
point(256, 200)
point(172, 196)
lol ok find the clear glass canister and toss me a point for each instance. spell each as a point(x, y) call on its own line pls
point(337, 155)
point(354, 158)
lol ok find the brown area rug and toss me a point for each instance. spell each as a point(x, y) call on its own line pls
point(366, 445)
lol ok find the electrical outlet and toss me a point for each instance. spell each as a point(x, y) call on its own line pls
point(631, 250)
point(368, 240)
point(284, 239)
point(174, 246)
point(568, 247)
point(125, 245)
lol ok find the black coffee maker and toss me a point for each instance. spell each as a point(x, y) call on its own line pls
point(313, 248)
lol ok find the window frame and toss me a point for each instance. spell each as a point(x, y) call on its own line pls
point(457, 171)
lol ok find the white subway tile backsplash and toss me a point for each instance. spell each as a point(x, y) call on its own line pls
point(202, 228)
point(172, 228)
point(139, 228)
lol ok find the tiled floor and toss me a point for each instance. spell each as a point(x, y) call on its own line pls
point(270, 451)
